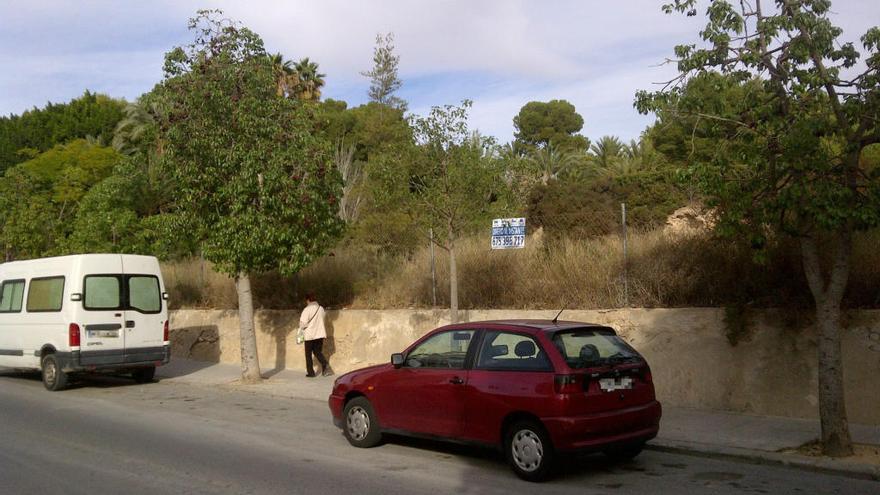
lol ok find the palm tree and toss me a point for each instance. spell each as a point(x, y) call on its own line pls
point(607, 150)
point(310, 81)
point(551, 160)
point(134, 128)
point(284, 73)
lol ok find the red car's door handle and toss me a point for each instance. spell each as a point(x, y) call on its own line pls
point(456, 381)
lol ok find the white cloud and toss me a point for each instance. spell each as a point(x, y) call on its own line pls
point(500, 53)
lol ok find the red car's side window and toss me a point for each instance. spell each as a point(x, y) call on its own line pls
point(512, 352)
point(444, 350)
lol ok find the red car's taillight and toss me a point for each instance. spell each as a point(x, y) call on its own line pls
point(646, 374)
point(73, 335)
point(568, 384)
point(165, 332)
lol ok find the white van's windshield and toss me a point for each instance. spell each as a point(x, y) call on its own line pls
point(116, 292)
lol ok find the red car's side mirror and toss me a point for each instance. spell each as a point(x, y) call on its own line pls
point(397, 360)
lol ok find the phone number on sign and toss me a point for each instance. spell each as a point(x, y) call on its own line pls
point(509, 241)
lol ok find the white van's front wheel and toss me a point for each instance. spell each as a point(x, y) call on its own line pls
point(54, 378)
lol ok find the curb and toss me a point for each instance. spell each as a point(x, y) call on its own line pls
point(824, 466)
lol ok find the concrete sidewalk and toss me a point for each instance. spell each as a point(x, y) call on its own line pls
point(757, 439)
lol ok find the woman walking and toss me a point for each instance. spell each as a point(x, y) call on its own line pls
point(311, 322)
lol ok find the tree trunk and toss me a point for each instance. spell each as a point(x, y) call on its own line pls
point(836, 441)
point(250, 363)
point(453, 279)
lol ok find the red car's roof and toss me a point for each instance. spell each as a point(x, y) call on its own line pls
point(545, 325)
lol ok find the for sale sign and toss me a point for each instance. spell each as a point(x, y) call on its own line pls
point(508, 233)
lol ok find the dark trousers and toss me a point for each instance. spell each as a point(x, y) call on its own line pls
point(315, 346)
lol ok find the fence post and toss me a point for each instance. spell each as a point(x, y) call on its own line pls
point(433, 272)
point(625, 277)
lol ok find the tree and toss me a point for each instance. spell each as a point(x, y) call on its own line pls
point(538, 124)
point(384, 80)
point(449, 181)
point(309, 81)
point(775, 114)
point(255, 185)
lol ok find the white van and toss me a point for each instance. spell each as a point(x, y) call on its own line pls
point(84, 313)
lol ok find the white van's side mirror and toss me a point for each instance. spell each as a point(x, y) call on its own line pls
point(164, 296)
point(76, 296)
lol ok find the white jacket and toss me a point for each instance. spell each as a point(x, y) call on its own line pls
point(312, 322)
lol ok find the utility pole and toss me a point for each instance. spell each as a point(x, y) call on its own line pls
point(625, 277)
point(433, 271)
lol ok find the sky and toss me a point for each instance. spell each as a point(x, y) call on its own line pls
point(499, 53)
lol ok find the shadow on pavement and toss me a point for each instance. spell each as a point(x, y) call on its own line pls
point(179, 367)
point(76, 380)
point(485, 460)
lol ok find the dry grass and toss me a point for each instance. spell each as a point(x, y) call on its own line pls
point(662, 271)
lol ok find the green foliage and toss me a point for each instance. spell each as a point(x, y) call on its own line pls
point(366, 138)
point(736, 323)
point(572, 210)
point(589, 208)
point(780, 150)
point(124, 214)
point(869, 161)
point(29, 224)
point(72, 168)
point(40, 197)
point(23, 137)
point(106, 221)
point(255, 184)
point(540, 123)
point(370, 128)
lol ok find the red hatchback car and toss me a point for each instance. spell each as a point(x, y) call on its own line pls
point(536, 388)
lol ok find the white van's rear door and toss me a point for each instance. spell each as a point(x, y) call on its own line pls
point(145, 314)
point(102, 317)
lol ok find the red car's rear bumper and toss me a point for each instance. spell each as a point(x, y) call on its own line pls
point(596, 431)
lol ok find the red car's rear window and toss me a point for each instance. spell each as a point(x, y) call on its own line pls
point(583, 348)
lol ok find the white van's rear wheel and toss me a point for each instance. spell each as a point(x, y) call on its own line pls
point(144, 375)
point(54, 378)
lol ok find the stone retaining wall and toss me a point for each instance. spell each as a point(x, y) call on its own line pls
point(771, 371)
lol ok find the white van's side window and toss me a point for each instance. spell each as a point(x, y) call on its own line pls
point(143, 293)
point(45, 294)
point(11, 295)
point(102, 292)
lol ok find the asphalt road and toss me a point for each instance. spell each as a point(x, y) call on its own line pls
point(115, 437)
